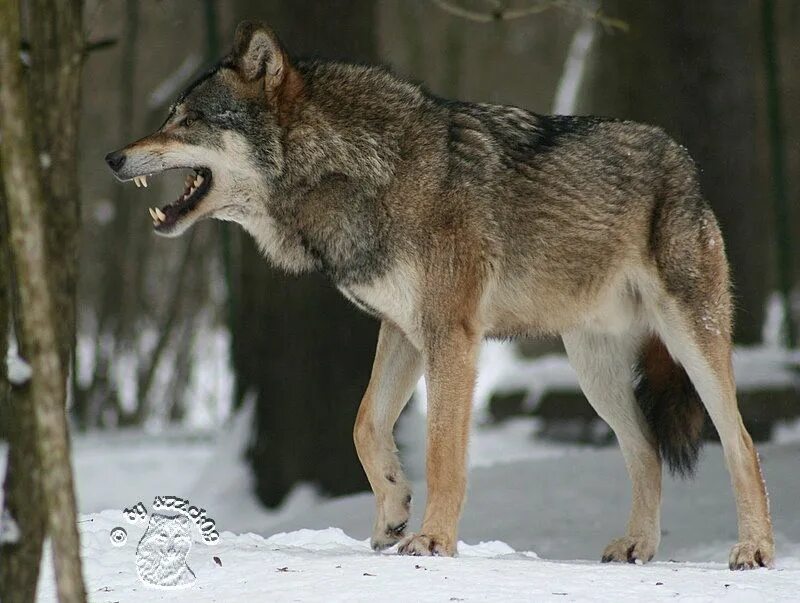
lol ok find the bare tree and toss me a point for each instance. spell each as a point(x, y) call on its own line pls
point(130, 306)
point(5, 314)
point(299, 346)
point(38, 150)
point(776, 136)
point(123, 259)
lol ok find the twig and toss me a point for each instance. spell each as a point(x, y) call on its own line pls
point(101, 44)
point(92, 19)
point(165, 330)
point(499, 13)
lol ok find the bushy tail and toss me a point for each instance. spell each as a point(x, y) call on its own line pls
point(672, 406)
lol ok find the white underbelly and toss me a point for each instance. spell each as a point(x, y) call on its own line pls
point(393, 296)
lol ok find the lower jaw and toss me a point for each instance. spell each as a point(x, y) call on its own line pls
point(178, 227)
point(170, 217)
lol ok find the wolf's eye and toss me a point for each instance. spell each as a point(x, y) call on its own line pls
point(189, 120)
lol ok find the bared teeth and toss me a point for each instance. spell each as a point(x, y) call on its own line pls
point(198, 181)
point(136, 180)
point(188, 181)
point(157, 215)
point(144, 181)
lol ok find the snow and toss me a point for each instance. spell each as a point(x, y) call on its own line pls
point(328, 565)
point(169, 88)
point(765, 367)
point(209, 388)
point(773, 333)
point(567, 92)
point(537, 514)
point(503, 371)
point(534, 524)
point(18, 370)
point(9, 530)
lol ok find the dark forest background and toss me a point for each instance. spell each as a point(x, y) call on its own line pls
point(184, 331)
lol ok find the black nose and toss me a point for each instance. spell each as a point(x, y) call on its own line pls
point(115, 160)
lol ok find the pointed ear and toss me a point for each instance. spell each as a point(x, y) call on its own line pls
point(258, 53)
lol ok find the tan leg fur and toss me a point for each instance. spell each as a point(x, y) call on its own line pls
point(396, 370)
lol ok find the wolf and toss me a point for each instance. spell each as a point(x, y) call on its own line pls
point(452, 222)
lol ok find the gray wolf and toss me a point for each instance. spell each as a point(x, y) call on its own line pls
point(452, 222)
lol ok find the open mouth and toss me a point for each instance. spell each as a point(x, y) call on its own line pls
point(197, 184)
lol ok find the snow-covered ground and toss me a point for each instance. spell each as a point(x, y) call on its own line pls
point(328, 565)
point(536, 518)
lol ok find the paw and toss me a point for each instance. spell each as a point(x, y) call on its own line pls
point(630, 549)
point(391, 522)
point(425, 545)
point(387, 535)
point(750, 554)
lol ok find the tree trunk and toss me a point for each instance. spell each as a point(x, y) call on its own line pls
point(299, 346)
point(787, 32)
point(5, 314)
point(788, 19)
point(44, 280)
point(19, 561)
point(56, 37)
point(691, 67)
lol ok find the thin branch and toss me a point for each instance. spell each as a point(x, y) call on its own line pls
point(595, 14)
point(101, 44)
point(499, 13)
point(166, 330)
point(93, 19)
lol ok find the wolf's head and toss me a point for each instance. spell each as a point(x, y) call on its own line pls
point(225, 129)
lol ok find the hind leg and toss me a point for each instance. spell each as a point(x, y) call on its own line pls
point(604, 364)
point(699, 340)
point(395, 372)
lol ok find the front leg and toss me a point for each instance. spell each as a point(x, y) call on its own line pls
point(395, 372)
point(451, 353)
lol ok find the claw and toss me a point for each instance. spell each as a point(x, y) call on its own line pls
point(397, 530)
